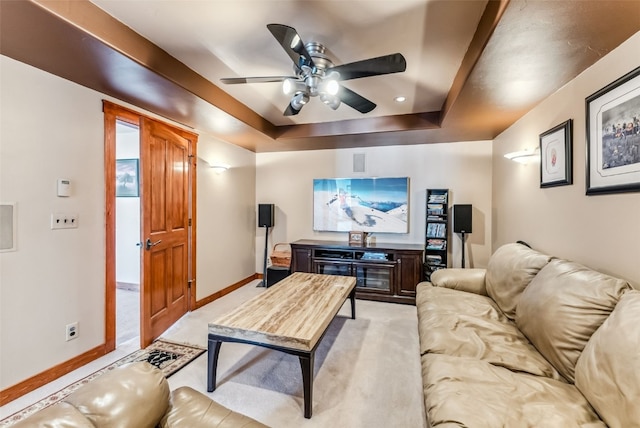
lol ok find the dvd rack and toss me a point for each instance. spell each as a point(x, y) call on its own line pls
point(437, 231)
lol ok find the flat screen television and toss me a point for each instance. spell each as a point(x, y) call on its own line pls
point(379, 205)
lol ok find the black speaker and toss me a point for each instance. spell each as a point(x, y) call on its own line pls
point(462, 218)
point(276, 274)
point(265, 215)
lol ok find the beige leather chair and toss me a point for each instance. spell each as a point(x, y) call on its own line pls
point(136, 395)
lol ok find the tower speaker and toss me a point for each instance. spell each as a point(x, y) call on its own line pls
point(265, 215)
point(462, 215)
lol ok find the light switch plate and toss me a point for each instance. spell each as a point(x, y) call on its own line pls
point(64, 221)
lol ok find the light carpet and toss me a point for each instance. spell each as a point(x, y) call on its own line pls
point(367, 371)
point(167, 356)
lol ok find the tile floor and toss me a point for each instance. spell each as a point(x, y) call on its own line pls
point(128, 315)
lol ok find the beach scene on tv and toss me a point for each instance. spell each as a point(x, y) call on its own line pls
point(361, 204)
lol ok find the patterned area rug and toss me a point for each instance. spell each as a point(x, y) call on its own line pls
point(167, 356)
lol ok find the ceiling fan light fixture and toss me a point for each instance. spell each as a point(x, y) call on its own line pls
point(299, 100)
point(291, 86)
point(331, 87)
point(330, 100)
point(313, 82)
point(317, 76)
point(335, 103)
point(287, 86)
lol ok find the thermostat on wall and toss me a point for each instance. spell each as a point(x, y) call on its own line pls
point(64, 187)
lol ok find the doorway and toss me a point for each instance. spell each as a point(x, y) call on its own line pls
point(166, 191)
point(127, 233)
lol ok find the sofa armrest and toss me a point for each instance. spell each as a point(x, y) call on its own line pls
point(470, 280)
point(192, 409)
point(59, 415)
point(132, 395)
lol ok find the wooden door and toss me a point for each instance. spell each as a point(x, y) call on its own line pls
point(165, 168)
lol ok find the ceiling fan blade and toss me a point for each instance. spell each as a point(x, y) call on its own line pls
point(355, 101)
point(292, 43)
point(266, 79)
point(387, 64)
point(290, 111)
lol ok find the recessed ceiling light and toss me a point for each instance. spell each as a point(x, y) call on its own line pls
point(400, 99)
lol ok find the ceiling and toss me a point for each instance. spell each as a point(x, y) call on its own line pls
point(473, 67)
point(220, 39)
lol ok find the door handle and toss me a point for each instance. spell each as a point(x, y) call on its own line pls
point(148, 244)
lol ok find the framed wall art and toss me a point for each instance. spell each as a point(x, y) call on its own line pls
point(613, 137)
point(127, 178)
point(357, 238)
point(556, 155)
point(363, 204)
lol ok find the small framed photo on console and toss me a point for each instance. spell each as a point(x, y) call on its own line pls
point(357, 238)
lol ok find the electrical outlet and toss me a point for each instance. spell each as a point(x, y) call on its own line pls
point(71, 331)
point(64, 221)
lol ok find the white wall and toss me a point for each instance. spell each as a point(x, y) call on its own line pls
point(226, 216)
point(602, 232)
point(51, 128)
point(285, 179)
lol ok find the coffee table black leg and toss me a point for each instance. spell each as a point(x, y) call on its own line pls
point(352, 296)
point(306, 363)
point(212, 363)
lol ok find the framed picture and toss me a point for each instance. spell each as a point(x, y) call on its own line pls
point(556, 155)
point(379, 205)
point(127, 178)
point(613, 137)
point(357, 238)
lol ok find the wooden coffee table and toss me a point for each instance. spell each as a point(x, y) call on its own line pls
point(292, 316)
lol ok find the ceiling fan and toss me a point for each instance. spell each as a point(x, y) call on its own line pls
point(316, 75)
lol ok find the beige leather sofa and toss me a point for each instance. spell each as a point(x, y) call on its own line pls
point(136, 396)
point(531, 341)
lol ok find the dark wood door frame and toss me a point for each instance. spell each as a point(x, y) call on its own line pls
point(113, 113)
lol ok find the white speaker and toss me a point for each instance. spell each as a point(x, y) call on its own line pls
point(358, 162)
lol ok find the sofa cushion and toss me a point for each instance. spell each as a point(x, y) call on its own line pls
point(192, 409)
point(608, 370)
point(466, 392)
point(136, 397)
point(60, 415)
point(511, 268)
point(430, 299)
point(466, 325)
point(562, 307)
point(471, 280)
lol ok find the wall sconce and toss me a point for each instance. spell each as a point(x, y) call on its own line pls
point(524, 156)
point(219, 168)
